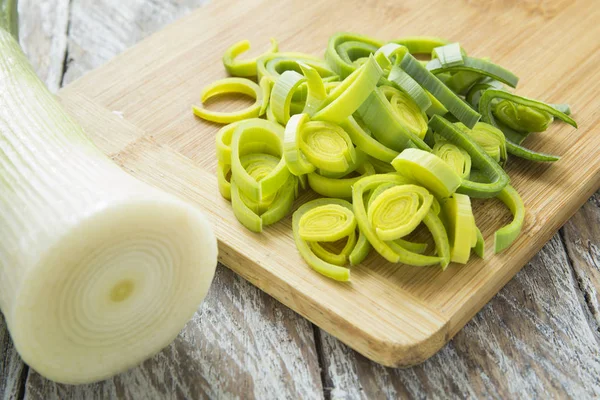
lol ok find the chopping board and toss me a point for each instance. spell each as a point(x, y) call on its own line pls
point(137, 109)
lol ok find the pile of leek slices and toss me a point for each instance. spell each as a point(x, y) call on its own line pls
point(390, 142)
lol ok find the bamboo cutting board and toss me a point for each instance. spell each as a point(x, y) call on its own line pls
point(137, 108)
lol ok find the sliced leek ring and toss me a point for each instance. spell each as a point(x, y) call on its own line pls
point(456, 157)
point(428, 170)
point(229, 86)
point(394, 119)
point(460, 225)
point(258, 136)
point(273, 65)
point(330, 220)
point(281, 95)
point(344, 49)
point(224, 179)
point(243, 68)
point(498, 178)
point(365, 142)
point(341, 187)
point(506, 235)
point(346, 97)
point(489, 138)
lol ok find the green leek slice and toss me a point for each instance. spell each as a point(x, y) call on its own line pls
point(294, 158)
point(506, 235)
point(266, 85)
point(227, 86)
point(479, 248)
point(447, 98)
point(522, 118)
point(258, 136)
point(326, 250)
point(498, 178)
point(460, 226)
point(428, 170)
point(327, 219)
point(485, 107)
point(243, 68)
point(344, 48)
point(341, 187)
point(456, 157)
point(281, 95)
point(476, 65)
point(394, 119)
point(273, 65)
point(421, 44)
point(392, 251)
point(381, 167)
point(397, 211)
point(490, 138)
point(346, 97)
point(403, 81)
point(365, 142)
point(327, 146)
point(224, 180)
point(317, 94)
point(448, 55)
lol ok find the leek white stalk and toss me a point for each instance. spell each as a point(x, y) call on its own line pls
point(98, 271)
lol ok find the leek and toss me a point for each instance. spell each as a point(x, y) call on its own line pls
point(99, 270)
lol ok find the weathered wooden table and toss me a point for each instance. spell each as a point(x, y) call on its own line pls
point(538, 338)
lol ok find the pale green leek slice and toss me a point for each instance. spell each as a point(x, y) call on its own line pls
point(326, 223)
point(327, 219)
point(476, 65)
point(223, 139)
point(506, 235)
point(456, 157)
point(258, 136)
point(224, 179)
point(230, 86)
point(440, 91)
point(438, 231)
point(340, 187)
point(498, 178)
point(490, 96)
point(490, 138)
point(394, 119)
point(460, 224)
point(448, 55)
point(326, 251)
point(345, 48)
point(365, 142)
point(282, 204)
point(421, 44)
point(428, 170)
point(273, 65)
point(243, 213)
point(398, 210)
point(522, 118)
point(479, 248)
point(403, 81)
point(327, 146)
point(266, 85)
point(317, 94)
point(361, 250)
point(281, 95)
point(294, 159)
point(381, 167)
point(243, 68)
point(390, 250)
point(346, 97)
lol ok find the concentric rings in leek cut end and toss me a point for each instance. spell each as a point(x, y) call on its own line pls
point(428, 170)
point(327, 223)
point(398, 210)
point(344, 49)
point(327, 146)
point(457, 158)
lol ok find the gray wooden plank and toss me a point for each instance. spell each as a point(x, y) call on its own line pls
point(241, 343)
point(12, 369)
point(43, 36)
point(581, 235)
point(531, 341)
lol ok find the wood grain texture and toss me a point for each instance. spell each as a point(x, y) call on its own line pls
point(12, 369)
point(242, 343)
point(415, 310)
point(531, 341)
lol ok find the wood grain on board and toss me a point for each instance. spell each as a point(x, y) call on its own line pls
point(484, 359)
point(393, 314)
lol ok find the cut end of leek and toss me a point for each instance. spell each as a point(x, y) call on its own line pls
point(114, 290)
